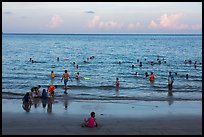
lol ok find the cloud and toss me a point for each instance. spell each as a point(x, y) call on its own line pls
point(56, 21)
point(196, 26)
point(153, 24)
point(7, 12)
point(172, 21)
point(96, 22)
point(90, 12)
point(134, 25)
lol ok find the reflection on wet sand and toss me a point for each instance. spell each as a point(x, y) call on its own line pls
point(46, 104)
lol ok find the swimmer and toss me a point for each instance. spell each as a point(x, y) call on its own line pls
point(140, 64)
point(52, 75)
point(77, 75)
point(117, 83)
point(133, 66)
point(146, 74)
point(186, 76)
point(170, 80)
point(151, 77)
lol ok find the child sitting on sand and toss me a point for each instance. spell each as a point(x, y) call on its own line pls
point(91, 122)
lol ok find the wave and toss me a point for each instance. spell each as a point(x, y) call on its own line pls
point(7, 95)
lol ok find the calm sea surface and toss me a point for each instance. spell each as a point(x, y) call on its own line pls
point(19, 74)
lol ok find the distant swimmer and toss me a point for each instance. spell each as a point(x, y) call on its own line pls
point(52, 75)
point(117, 83)
point(133, 66)
point(57, 58)
point(170, 80)
point(30, 59)
point(186, 76)
point(151, 77)
point(140, 64)
point(38, 61)
point(77, 76)
point(119, 62)
point(136, 73)
point(195, 64)
point(146, 74)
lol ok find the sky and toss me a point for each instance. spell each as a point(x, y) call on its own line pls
point(102, 17)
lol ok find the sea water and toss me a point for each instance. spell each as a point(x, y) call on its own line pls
point(19, 74)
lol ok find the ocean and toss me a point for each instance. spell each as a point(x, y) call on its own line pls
point(19, 74)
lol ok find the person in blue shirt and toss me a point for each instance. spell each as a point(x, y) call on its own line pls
point(44, 94)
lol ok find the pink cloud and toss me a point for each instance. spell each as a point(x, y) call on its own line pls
point(134, 25)
point(172, 21)
point(96, 22)
point(196, 26)
point(153, 24)
point(56, 21)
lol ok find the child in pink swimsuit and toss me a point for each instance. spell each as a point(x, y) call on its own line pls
point(91, 122)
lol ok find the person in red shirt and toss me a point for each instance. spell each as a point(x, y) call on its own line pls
point(151, 77)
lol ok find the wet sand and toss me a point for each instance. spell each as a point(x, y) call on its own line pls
point(138, 118)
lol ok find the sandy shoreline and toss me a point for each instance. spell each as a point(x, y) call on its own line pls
point(114, 118)
point(37, 124)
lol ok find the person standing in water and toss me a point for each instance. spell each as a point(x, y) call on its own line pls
point(170, 80)
point(66, 76)
point(52, 76)
point(151, 77)
point(117, 83)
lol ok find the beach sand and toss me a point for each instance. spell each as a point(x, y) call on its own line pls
point(136, 118)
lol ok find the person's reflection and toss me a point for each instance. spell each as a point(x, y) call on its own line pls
point(65, 99)
point(170, 95)
point(26, 106)
point(65, 103)
point(44, 102)
point(152, 82)
point(117, 91)
point(49, 105)
point(36, 102)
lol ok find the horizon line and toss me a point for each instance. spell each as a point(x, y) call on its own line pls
point(39, 33)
